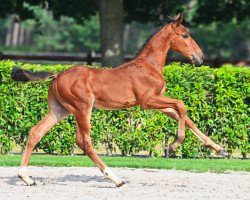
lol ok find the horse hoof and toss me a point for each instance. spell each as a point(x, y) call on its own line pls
point(33, 184)
point(223, 153)
point(28, 181)
point(169, 151)
point(120, 184)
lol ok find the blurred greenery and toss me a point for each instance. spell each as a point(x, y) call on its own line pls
point(203, 11)
point(64, 35)
point(74, 26)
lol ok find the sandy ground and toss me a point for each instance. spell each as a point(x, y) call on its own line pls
point(141, 184)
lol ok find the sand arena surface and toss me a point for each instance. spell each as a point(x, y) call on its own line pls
point(141, 184)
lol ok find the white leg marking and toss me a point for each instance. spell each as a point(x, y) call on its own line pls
point(22, 173)
point(110, 175)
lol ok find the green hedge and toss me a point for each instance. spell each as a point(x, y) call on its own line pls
point(217, 100)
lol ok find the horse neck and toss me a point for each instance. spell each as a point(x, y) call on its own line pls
point(156, 49)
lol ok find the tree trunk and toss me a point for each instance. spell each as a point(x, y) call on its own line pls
point(111, 27)
point(15, 34)
point(9, 35)
point(240, 46)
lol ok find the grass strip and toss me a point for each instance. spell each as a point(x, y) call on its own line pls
point(198, 165)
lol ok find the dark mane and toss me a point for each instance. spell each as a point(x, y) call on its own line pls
point(152, 35)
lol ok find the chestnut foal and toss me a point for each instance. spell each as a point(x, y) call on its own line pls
point(138, 82)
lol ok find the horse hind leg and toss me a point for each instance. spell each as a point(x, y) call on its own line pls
point(56, 114)
point(35, 135)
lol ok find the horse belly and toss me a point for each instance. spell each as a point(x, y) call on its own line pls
point(114, 105)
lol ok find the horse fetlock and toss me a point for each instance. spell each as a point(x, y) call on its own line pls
point(22, 174)
point(180, 137)
point(111, 176)
point(27, 180)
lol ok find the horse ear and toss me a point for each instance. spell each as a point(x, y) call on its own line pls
point(178, 19)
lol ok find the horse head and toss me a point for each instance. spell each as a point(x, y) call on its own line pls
point(182, 42)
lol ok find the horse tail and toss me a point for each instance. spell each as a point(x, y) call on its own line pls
point(23, 75)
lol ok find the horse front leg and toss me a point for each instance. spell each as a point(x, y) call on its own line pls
point(164, 103)
point(192, 127)
point(179, 138)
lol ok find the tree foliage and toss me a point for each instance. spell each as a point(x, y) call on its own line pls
point(78, 9)
point(225, 11)
point(156, 11)
point(203, 11)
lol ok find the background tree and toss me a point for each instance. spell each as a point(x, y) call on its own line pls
point(112, 14)
point(226, 15)
point(223, 11)
point(111, 31)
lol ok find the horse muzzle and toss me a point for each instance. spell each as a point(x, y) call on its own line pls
point(197, 59)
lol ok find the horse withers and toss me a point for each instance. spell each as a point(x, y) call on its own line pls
point(139, 82)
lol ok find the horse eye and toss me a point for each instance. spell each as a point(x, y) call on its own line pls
point(185, 36)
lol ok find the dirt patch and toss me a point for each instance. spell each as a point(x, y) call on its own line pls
point(141, 184)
